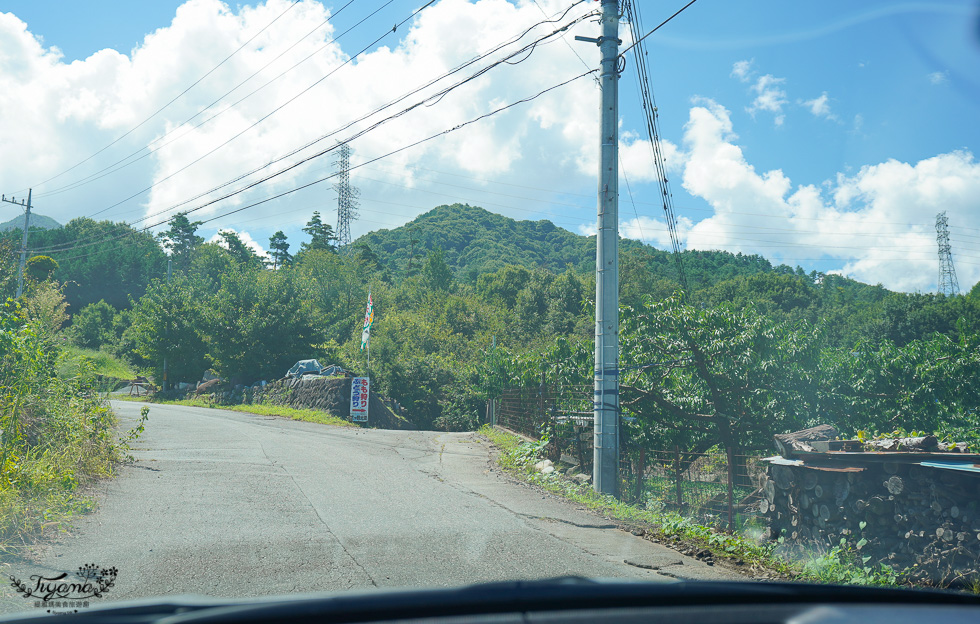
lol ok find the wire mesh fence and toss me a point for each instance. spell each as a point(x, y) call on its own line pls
point(564, 413)
point(719, 487)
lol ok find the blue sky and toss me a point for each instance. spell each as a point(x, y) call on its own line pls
point(822, 134)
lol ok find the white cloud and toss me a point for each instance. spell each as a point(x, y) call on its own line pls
point(820, 107)
point(646, 229)
point(67, 111)
point(938, 78)
point(770, 97)
point(742, 70)
point(653, 231)
point(861, 220)
point(636, 158)
point(769, 94)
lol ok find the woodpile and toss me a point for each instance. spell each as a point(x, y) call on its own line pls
point(887, 507)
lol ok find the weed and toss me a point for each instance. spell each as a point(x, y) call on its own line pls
point(261, 409)
point(840, 565)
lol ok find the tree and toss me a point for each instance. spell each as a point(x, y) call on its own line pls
point(240, 252)
point(181, 240)
point(45, 307)
point(166, 323)
point(725, 374)
point(115, 263)
point(436, 272)
point(40, 268)
point(259, 323)
point(321, 235)
point(93, 325)
point(366, 257)
point(209, 262)
point(931, 384)
point(279, 250)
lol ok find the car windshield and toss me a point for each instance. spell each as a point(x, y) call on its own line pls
point(314, 295)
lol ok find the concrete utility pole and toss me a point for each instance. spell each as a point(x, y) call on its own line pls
point(23, 244)
point(166, 380)
point(605, 475)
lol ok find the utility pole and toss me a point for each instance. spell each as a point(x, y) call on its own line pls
point(23, 244)
point(948, 284)
point(605, 475)
point(167, 331)
point(346, 198)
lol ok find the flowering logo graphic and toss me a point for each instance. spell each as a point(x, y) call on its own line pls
point(92, 582)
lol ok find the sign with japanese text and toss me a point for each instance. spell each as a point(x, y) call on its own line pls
point(359, 393)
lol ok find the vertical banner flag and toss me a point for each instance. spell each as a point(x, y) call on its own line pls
point(368, 321)
point(360, 390)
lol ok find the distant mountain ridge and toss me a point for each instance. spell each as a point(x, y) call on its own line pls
point(37, 221)
point(477, 241)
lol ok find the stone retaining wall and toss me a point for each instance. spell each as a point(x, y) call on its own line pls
point(903, 515)
point(326, 394)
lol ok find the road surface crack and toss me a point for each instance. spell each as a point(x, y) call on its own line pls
point(319, 517)
point(569, 522)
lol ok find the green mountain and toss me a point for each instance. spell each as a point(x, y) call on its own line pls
point(477, 241)
point(37, 221)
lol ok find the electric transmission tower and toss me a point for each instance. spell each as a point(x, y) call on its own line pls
point(947, 273)
point(346, 198)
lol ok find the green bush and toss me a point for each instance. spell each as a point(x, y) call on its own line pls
point(57, 430)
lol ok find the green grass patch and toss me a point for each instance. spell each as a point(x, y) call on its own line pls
point(102, 363)
point(308, 415)
point(839, 566)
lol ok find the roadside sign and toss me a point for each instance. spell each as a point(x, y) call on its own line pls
point(359, 393)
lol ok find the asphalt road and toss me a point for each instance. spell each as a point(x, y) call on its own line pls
point(228, 504)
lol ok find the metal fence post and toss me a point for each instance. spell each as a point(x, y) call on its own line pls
point(677, 475)
point(731, 488)
point(640, 471)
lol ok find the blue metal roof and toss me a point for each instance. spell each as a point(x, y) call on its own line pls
point(952, 465)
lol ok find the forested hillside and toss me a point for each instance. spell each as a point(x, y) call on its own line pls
point(476, 241)
point(38, 221)
point(785, 347)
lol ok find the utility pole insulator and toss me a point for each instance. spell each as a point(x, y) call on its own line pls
point(23, 244)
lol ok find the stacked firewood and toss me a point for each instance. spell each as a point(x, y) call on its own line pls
point(902, 514)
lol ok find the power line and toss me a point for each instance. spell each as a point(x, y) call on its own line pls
point(317, 181)
point(659, 26)
point(177, 97)
point(112, 168)
point(264, 117)
point(429, 100)
point(653, 132)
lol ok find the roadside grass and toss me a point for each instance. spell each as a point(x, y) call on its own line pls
point(102, 363)
point(260, 409)
point(57, 433)
point(61, 441)
point(838, 566)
